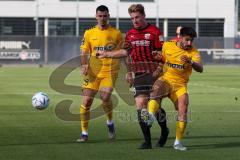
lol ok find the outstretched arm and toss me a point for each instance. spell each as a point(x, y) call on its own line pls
point(112, 54)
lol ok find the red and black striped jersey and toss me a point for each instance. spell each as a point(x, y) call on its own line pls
point(140, 43)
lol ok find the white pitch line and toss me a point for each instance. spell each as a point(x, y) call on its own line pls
point(213, 86)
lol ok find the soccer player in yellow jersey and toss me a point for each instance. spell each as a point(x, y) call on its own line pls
point(179, 57)
point(99, 74)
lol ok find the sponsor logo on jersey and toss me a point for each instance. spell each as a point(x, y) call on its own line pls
point(177, 66)
point(141, 43)
point(109, 47)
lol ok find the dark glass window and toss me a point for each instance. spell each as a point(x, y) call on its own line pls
point(62, 27)
point(207, 27)
point(174, 23)
point(19, 26)
point(211, 27)
point(85, 24)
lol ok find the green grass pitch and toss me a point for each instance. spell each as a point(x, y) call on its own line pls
point(213, 131)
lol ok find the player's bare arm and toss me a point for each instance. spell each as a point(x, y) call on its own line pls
point(84, 63)
point(159, 71)
point(198, 67)
point(112, 54)
point(130, 75)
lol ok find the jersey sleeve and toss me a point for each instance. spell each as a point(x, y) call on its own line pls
point(158, 40)
point(85, 45)
point(119, 40)
point(196, 57)
point(164, 52)
point(127, 43)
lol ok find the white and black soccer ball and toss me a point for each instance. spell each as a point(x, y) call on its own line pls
point(40, 100)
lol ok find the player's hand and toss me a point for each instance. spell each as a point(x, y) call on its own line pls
point(157, 55)
point(185, 59)
point(84, 69)
point(101, 54)
point(158, 72)
point(130, 78)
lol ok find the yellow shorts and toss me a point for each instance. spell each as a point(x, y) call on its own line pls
point(96, 83)
point(176, 90)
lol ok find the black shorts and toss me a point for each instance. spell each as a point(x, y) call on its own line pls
point(143, 83)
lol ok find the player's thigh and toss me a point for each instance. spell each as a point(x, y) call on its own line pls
point(105, 93)
point(160, 89)
point(180, 97)
point(106, 87)
point(91, 82)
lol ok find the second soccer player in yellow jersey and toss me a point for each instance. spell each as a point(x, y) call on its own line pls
point(179, 58)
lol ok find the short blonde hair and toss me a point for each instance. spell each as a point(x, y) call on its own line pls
point(136, 8)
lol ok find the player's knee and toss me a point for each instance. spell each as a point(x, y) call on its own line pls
point(141, 104)
point(105, 97)
point(87, 102)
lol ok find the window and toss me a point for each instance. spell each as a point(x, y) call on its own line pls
point(174, 23)
point(19, 26)
point(62, 27)
point(211, 27)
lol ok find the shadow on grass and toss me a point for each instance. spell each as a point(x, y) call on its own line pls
point(207, 145)
point(214, 145)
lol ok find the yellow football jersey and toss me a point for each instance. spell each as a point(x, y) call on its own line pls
point(96, 39)
point(175, 70)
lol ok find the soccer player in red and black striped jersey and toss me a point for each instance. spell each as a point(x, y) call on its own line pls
point(141, 45)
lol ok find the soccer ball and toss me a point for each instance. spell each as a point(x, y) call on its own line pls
point(40, 100)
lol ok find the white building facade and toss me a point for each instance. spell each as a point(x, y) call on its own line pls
point(72, 17)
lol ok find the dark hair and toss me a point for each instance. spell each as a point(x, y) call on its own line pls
point(102, 8)
point(188, 31)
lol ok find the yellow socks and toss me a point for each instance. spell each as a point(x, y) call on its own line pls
point(153, 106)
point(84, 117)
point(180, 128)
